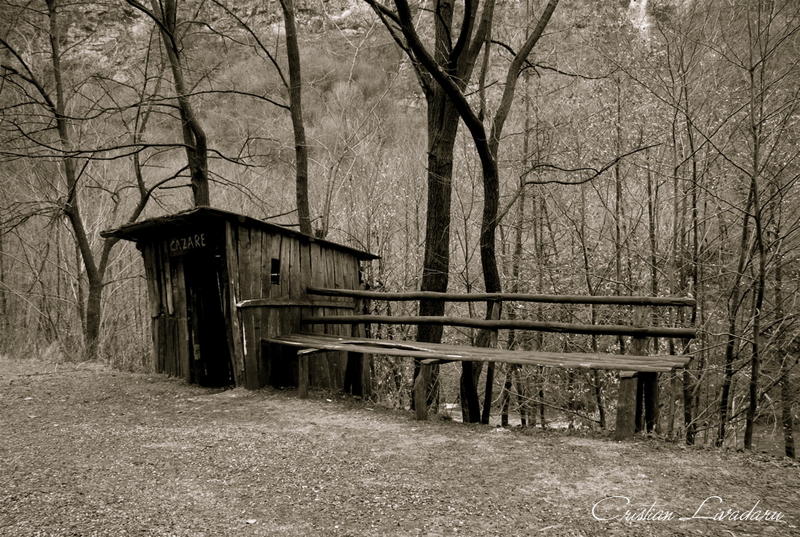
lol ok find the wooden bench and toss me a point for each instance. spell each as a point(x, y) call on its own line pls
point(430, 353)
point(638, 371)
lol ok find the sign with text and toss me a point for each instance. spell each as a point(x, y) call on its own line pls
point(186, 243)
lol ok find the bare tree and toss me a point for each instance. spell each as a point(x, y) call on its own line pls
point(45, 94)
point(296, 109)
point(486, 143)
point(455, 59)
point(164, 14)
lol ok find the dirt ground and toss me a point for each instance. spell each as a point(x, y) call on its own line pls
point(86, 451)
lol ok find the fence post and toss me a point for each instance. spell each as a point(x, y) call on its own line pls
point(626, 406)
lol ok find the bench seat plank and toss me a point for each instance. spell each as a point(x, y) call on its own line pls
point(445, 352)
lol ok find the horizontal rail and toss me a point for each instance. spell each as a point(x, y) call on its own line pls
point(517, 324)
point(519, 297)
point(286, 303)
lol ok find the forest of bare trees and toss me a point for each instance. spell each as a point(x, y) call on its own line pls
point(573, 147)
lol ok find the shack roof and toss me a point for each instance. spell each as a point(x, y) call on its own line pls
point(153, 228)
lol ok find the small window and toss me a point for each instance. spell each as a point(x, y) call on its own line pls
point(275, 271)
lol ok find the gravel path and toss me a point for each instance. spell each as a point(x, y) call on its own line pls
point(85, 451)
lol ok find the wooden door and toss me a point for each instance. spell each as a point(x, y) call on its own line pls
point(209, 354)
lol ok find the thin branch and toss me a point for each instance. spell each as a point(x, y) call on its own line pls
point(597, 172)
point(261, 45)
point(536, 66)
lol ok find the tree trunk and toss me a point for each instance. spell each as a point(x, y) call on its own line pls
point(689, 381)
point(194, 137)
point(618, 206)
point(756, 110)
point(651, 234)
point(296, 110)
point(490, 368)
point(442, 121)
point(4, 322)
point(516, 256)
point(93, 317)
point(505, 399)
point(72, 205)
point(449, 69)
point(596, 380)
point(787, 399)
point(733, 312)
point(783, 357)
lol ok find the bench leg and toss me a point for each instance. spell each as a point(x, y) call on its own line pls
point(421, 392)
point(366, 375)
point(639, 403)
point(302, 374)
point(626, 406)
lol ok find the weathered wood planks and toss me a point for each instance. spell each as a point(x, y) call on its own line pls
point(228, 256)
point(268, 308)
point(441, 351)
point(234, 322)
point(296, 302)
point(517, 324)
point(516, 297)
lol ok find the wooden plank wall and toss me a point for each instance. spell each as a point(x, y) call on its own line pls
point(332, 268)
point(154, 300)
point(268, 317)
point(181, 330)
point(320, 367)
point(167, 299)
point(303, 264)
point(233, 296)
point(249, 249)
point(253, 251)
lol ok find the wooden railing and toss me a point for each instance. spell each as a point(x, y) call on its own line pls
point(514, 324)
point(515, 297)
point(643, 383)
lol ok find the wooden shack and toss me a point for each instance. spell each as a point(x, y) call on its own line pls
point(220, 282)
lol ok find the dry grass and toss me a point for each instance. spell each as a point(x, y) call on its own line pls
point(86, 451)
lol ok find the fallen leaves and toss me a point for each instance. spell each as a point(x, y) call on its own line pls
point(136, 455)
